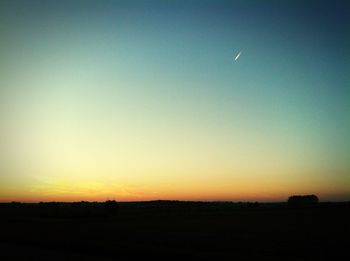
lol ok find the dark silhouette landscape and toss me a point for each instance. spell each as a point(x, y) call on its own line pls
point(175, 230)
point(174, 130)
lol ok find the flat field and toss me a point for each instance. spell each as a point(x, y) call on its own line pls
point(175, 230)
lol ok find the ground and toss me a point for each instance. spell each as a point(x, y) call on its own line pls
point(177, 230)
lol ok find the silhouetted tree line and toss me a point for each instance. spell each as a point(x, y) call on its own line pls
point(302, 200)
point(111, 207)
point(61, 209)
point(170, 206)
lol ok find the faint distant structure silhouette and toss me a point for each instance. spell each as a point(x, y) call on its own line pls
point(111, 207)
point(302, 200)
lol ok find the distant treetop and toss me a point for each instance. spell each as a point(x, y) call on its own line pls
point(297, 200)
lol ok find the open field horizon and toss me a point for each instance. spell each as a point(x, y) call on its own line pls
point(168, 200)
point(174, 230)
point(174, 130)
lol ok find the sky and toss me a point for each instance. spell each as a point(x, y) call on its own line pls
point(143, 100)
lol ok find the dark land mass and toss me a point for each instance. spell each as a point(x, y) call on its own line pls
point(174, 230)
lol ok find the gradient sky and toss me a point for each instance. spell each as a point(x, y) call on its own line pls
point(140, 100)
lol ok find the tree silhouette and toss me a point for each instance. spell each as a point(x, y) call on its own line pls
point(302, 200)
point(111, 207)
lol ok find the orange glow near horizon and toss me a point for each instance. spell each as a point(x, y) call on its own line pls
point(134, 101)
point(244, 189)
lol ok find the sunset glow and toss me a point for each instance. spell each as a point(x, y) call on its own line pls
point(143, 100)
